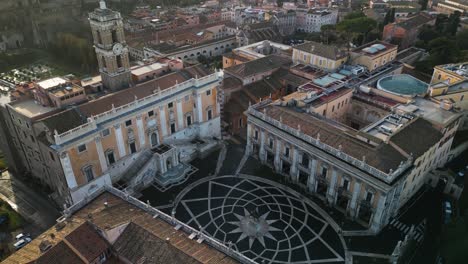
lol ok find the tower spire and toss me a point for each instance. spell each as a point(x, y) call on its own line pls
point(102, 4)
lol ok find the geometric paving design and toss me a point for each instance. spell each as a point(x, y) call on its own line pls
point(261, 219)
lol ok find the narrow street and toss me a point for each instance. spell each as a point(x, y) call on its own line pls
point(39, 212)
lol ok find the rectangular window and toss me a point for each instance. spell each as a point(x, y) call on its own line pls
point(105, 132)
point(81, 148)
point(369, 197)
point(170, 105)
point(128, 123)
point(324, 172)
point(345, 184)
point(151, 113)
point(210, 114)
point(88, 171)
point(256, 134)
point(51, 156)
point(133, 147)
point(208, 92)
point(270, 143)
point(111, 158)
point(305, 160)
point(173, 129)
point(286, 152)
point(187, 98)
point(189, 120)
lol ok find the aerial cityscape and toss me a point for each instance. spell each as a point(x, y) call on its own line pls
point(253, 131)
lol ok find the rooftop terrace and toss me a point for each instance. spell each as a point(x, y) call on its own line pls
point(31, 108)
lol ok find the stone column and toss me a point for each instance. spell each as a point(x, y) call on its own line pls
point(249, 147)
point(163, 121)
point(180, 115)
point(377, 218)
point(100, 152)
point(141, 131)
point(331, 189)
point(67, 170)
point(261, 153)
point(120, 140)
point(293, 171)
point(199, 108)
point(312, 181)
point(278, 156)
point(355, 199)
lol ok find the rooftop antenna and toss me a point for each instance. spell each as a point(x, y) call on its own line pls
point(102, 4)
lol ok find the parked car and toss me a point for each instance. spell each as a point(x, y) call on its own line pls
point(21, 243)
point(447, 212)
point(21, 236)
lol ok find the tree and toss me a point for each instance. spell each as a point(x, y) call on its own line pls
point(443, 50)
point(389, 17)
point(353, 15)
point(462, 39)
point(453, 23)
point(427, 34)
point(357, 27)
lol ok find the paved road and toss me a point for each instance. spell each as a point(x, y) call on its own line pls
point(33, 206)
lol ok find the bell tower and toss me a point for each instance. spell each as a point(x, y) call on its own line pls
point(111, 48)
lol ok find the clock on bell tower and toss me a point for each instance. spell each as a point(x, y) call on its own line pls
point(110, 46)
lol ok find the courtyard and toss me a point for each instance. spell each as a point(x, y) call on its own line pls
point(253, 210)
point(262, 219)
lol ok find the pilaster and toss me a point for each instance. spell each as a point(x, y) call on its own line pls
point(180, 115)
point(141, 131)
point(100, 151)
point(331, 189)
point(67, 170)
point(120, 140)
point(354, 199)
point(312, 180)
point(163, 121)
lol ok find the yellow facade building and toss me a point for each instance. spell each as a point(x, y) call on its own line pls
point(328, 57)
point(374, 55)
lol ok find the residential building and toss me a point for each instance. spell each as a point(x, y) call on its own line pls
point(312, 20)
point(112, 227)
point(405, 33)
point(448, 74)
point(374, 55)
point(210, 48)
point(327, 57)
point(257, 70)
point(368, 174)
point(449, 86)
point(253, 33)
point(450, 6)
point(255, 51)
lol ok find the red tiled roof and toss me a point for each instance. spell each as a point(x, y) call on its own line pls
point(86, 240)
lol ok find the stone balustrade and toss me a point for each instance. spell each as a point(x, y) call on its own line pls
point(115, 112)
point(171, 220)
point(387, 177)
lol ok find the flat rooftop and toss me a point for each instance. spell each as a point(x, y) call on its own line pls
point(432, 112)
point(31, 108)
point(51, 83)
point(141, 70)
point(374, 48)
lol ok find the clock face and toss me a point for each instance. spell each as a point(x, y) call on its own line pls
point(117, 49)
